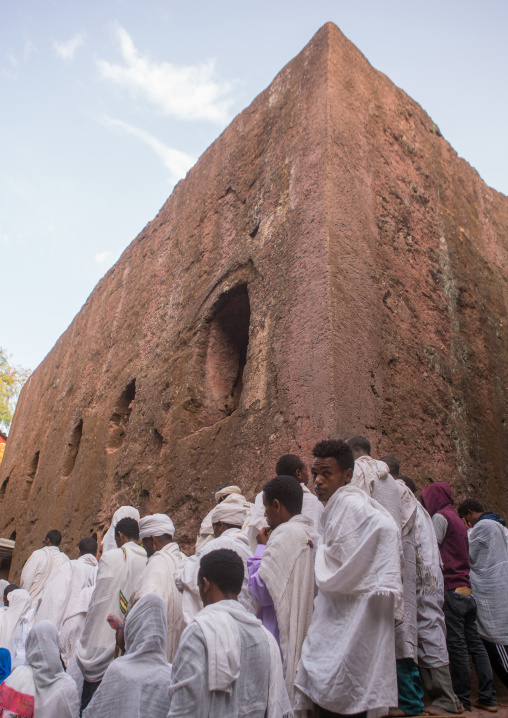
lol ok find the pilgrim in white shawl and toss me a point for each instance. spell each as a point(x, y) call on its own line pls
point(55, 692)
point(433, 660)
point(136, 684)
point(20, 603)
point(119, 570)
point(348, 657)
point(71, 631)
point(227, 519)
point(488, 556)
point(124, 512)
point(41, 564)
point(374, 478)
point(40, 689)
point(206, 530)
point(288, 465)
point(164, 560)
point(227, 664)
point(66, 583)
point(282, 582)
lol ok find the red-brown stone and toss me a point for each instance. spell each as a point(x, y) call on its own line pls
point(330, 266)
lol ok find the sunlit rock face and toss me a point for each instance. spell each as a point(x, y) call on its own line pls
point(329, 267)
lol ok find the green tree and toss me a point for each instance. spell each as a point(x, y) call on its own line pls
point(12, 379)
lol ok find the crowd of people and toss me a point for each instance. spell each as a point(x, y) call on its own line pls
point(347, 601)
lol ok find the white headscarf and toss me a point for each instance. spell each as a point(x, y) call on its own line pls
point(136, 685)
point(55, 692)
point(227, 491)
point(108, 542)
point(20, 603)
point(155, 525)
point(230, 511)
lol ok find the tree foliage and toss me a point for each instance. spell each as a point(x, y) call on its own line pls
point(12, 379)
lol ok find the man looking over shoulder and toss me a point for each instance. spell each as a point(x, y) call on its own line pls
point(358, 575)
point(41, 564)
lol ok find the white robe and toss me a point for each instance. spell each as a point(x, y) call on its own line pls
point(227, 665)
point(136, 685)
point(348, 657)
point(287, 570)
point(20, 603)
point(488, 554)
point(432, 650)
point(55, 692)
point(187, 577)
point(39, 567)
point(119, 570)
point(158, 577)
point(63, 587)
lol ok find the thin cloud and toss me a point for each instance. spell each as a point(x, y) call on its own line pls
point(67, 49)
point(190, 92)
point(103, 257)
point(178, 163)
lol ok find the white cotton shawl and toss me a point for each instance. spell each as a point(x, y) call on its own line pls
point(287, 570)
point(119, 570)
point(187, 576)
point(158, 577)
point(20, 603)
point(358, 575)
point(136, 684)
point(39, 567)
point(55, 692)
point(124, 512)
point(488, 554)
point(63, 588)
point(218, 624)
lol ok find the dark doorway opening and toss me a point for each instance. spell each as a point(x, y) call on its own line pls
point(73, 448)
point(226, 353)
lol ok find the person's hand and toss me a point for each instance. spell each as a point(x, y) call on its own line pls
point(264, 535)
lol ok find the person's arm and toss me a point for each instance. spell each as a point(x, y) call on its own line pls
point(440, 527)
point(188, 693)
point(257, 588)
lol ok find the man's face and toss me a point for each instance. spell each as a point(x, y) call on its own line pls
point(272, 513)
point(328, 477)
point(303, 475)
point(149, 546)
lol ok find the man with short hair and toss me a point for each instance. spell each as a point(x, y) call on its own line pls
point(281, 574)
point(459, 605)
point(374, 478)
point(488, 556)
point(41, 564)
point(227, 664)
point(164, 560)
point(288, 465)
point(393, 465)
point(348, 658)
point(227, 519)
point(66, 583)
point(119, 570)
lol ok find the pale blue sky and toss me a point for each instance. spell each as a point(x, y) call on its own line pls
point(104, 104)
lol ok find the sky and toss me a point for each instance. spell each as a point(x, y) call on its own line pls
point(106, 104)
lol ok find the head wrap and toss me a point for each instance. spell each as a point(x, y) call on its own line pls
point(156, 525)
point(230, 511)
point(227, 491)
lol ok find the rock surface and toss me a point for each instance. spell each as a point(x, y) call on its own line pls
point(329, 267)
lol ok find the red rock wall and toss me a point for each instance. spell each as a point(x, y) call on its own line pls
point(329, 267)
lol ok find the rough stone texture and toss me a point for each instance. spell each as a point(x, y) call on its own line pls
point(333, 230)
